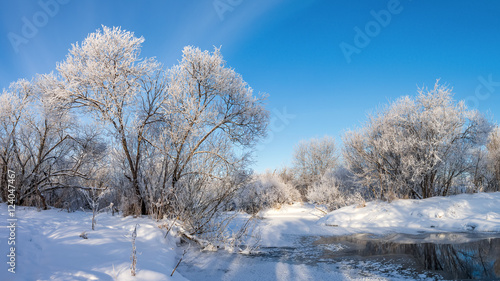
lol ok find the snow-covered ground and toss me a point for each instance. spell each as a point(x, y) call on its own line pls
point(279, 225)
point(49, 246)
point(465, 212)
point(478, 212)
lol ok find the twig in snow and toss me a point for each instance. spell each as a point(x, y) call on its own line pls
point(320, 210)
point(133, 257)
point(172, 225)
point(185, 251)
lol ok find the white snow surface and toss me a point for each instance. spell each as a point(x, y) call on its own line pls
point(478, 212)
point(49, 247)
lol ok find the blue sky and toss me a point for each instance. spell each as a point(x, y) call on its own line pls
point(288, 49)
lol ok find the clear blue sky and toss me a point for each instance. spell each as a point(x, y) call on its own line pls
point(288, 49)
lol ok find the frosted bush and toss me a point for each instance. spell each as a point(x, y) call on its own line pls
point(329, 192)
point(265, 191)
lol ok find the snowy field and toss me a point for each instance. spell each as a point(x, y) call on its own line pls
point(49, 246)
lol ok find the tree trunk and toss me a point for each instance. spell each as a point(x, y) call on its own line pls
point(137, 190)
point(4, 183)
point(42, 199)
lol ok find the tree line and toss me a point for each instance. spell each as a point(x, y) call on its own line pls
point(415, 147)
point(109, 126)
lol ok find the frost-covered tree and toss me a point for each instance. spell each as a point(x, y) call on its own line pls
point(494, 158)
point(212, 117)
point(106, 77)
point(14, 103)
point(209, 108)
point(417, 147)
point(312, 159)
point(43, 142)
point(177, 140)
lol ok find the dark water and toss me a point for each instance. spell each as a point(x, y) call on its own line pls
point(451, 256)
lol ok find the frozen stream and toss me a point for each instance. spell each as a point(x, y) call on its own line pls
point(456, 237)
point(360, 256)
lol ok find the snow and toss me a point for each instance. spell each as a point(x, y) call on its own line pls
point(478, 212)
point(49, 247)
point(282, 230)
point(278, 225)
point(465, 212)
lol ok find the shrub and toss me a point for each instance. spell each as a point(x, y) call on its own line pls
point(264, 191)
point(330, 192)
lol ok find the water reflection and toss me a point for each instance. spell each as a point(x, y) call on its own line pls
point(473, 257)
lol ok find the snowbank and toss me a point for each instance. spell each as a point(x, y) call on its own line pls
point(49, 247)
point(466, 212)
point(279, 227)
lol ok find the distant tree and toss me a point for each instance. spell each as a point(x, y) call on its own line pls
point(329, 191)
point(312, 159)
point(286, 175)
point(494, 157)
point(417, 147)
point(263, 191)
point(338, 189)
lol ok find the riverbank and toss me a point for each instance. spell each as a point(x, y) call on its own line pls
point(479, 212)
point(297, 244)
